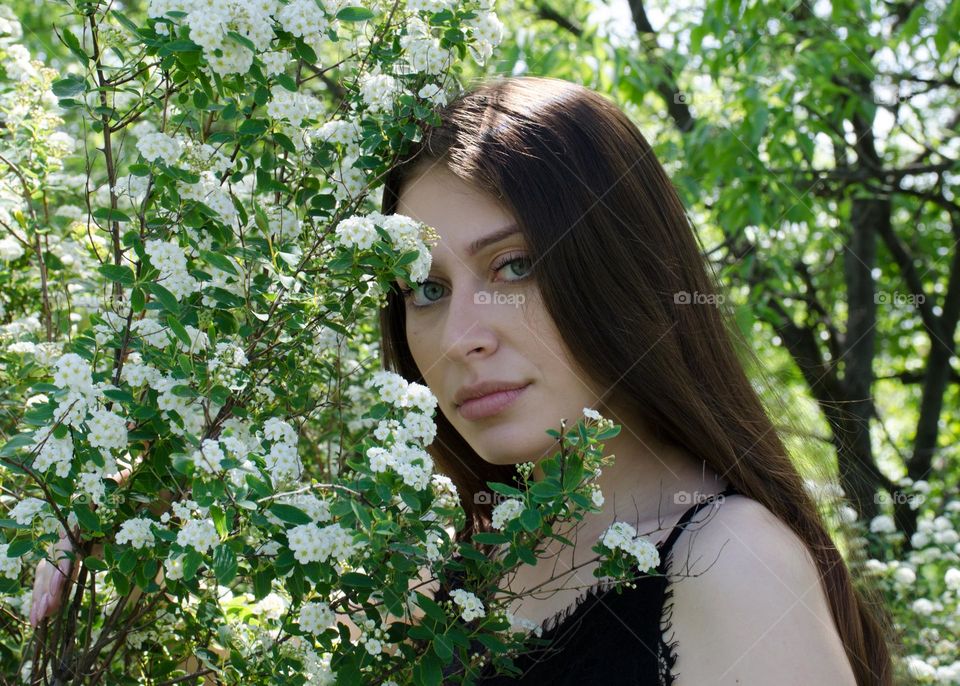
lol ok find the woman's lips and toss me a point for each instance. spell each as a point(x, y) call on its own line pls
point(489, 405)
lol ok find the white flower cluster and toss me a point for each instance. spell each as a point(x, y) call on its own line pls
point(138, 532)
point(159, 146)
point(434, 93)
point(356, 231)
point(26, 511)
point(199, 534)
point(282, 224)
point(73, 374)
point(413, 464)
point(282, 461)
point(292, 107)
point(107, 430)
point(211, 23)
point(422, 49)
point(523, 625)
point(10, 249)
point(378, 91)
point(342, 132)
point(312, 543)
point(226, 364)
point(505, 511)
point(207, 459)
point(445, 492)
point(318, 509)
point(9, 566)
point(316, 617)
point(202, 157)
point(405, 457)
point(274, 62)
point(372, 637)
point(431, 6)
point(168, 257)
point(433, 546)
point(883, 524)
point(938, 530)
point(622, 535)
point(470, 605)
point(90, 483)
point(211, 193)
point(487, 33)
point(56, 452)
point(173, 567)
point(304, 19)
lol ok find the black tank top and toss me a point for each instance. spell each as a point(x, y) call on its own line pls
point(610, 636)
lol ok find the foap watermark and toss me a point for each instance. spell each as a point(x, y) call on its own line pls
point(700, 99)
point(697, 298)
point(898, 497)
point(488, 498)
point(498, 298)
point(695, 498)
point(897, 298)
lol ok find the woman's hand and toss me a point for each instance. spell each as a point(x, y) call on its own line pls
point(50, 579)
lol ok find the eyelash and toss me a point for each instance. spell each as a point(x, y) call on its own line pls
point(505, 261)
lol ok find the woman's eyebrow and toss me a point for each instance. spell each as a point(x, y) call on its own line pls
point(491, 238)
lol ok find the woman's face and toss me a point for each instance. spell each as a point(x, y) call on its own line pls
point(478, 318)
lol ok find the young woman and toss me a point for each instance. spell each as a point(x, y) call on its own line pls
point(568, 277)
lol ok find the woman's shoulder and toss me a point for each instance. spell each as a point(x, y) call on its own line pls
point(748, 603)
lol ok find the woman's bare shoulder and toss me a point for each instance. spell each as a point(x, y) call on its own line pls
point(748, 605)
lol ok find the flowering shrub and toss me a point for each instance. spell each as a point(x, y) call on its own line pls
point(920, 583)
point(204, 472)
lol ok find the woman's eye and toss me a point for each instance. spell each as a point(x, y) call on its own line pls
point(511, 261)
point(432, 291)
point(428, 288)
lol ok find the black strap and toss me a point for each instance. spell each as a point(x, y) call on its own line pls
point(692, 510)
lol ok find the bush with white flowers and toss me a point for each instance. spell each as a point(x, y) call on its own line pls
point(191, 265)
point(920, 581)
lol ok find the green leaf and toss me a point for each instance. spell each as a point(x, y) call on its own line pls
point(137, 299)
point(428, 671)
point(69, 87)
point(242, 40)
point(119, 395)
point(443, 647)
point(504, 489)
point(530, 519)
point(219, 261)
point(88, 519)
point(178, 329)
point(109, 214)
point(544, 490)
point(354, 14)
point(289, 513)
point(164, 297)
point(73, 44)
point(181, 46)
point(432, 609)
point(15, 443)
point(95, 564)
point(224, 564)
point(219, 518)
point(253, 127)
point(357, 580)
point(128, 561)
point(120, 273)
point(191, 563)
point(18, 548)
point(262, 582)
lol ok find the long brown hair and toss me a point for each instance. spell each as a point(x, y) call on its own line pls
point(613, 252)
